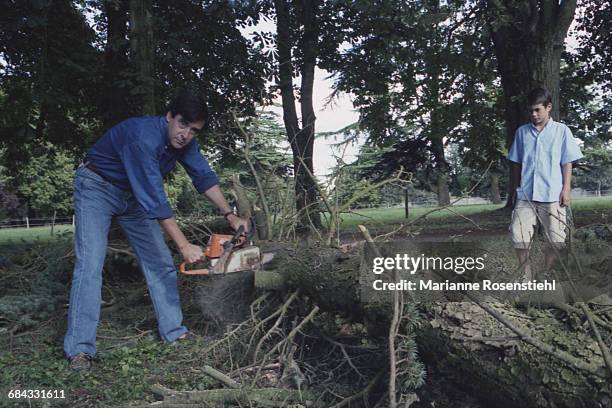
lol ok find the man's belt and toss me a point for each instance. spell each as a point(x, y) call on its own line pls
point(90, 166)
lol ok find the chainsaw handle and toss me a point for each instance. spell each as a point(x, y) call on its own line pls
point(183, 270)
point(240, 236)
point(239, 232)
point(192, 271)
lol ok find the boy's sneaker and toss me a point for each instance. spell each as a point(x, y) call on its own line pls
point(81, 362)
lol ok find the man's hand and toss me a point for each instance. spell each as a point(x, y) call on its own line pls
point(235, 222)
point(565, 197)
point(191, 253)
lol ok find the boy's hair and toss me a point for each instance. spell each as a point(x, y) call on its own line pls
point(190, 106)
point(539, 95)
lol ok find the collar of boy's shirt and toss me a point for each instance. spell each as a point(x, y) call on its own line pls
point(535, 129)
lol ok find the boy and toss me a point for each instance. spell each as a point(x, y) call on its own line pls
point(541, 154)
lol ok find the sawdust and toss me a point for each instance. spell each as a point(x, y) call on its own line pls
point(225, 299)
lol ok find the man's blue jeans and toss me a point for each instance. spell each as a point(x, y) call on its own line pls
point(96, 202)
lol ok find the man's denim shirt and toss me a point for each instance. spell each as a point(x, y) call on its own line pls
point(136, 154)
point(541, 156)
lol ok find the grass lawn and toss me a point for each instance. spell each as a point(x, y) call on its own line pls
point(586, 210)
point(13, 235)
point(35, 280)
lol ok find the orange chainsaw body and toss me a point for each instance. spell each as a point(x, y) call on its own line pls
point(214, 249)
point(227, 253)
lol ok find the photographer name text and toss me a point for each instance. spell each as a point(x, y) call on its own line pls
point(464, 286)
point(405, 263)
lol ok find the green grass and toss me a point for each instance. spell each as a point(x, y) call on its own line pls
point(14, 235)
point(485, 215)
point(397, 215)
point(128, 363)
point(131, 357)
point(592, 208)
point(592, 203)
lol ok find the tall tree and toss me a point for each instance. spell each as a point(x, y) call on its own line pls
point(48, 77)
point(143, 53)
point(529, 38)
point(301, 138)
point(114, 99)
point(405, 64)
point(199, 45)
point(595, 51)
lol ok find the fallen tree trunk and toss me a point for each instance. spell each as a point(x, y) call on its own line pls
point(526, 359)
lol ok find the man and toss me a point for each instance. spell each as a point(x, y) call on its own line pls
point(541, 154)
point(122, 177)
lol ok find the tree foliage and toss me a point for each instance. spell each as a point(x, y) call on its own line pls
point(68, 72)
point(48, 77)
point(45, 182)
point(431, 79)
point(9, 203)
point(411, 67)
point(594, 27)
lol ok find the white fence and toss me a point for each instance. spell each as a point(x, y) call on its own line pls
point(578, 193)
point(27, 222)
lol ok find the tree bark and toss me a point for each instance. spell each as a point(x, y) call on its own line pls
point(116, 64)
point(528, 38)
point(307, 135)
point(495, 194)
point(437, 149)
point(437, 129)
point(442, 186)
point(459, 341)
point(143, 50)
point(300, 139)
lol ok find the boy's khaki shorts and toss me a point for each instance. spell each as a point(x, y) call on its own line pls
point(527, 214)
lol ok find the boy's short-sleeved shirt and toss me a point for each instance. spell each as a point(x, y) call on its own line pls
point(136, 154)
point(542, 156)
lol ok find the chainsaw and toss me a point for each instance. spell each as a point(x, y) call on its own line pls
point(229, 253)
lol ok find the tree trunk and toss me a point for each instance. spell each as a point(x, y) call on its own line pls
point(528, 38)
point(437, 130)
point(300, 139)
point(443, 193)
point(143, 50)
point(460, 342)
point(114, 102)
point(306, 137)
point(495, 195)
point(437, 149)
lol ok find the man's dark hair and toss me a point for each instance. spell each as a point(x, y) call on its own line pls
point(190, 106)
point(539, 95)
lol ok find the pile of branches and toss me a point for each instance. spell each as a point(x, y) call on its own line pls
point(34, 278)
point(289, 352)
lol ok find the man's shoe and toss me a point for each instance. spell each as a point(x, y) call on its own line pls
point(187, 336)
point(545, 275)
point(81, 362)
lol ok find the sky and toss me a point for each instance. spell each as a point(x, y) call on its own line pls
point(330, 117)
point(340, 113)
